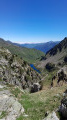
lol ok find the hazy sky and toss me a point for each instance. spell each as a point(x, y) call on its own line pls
point(33, 20)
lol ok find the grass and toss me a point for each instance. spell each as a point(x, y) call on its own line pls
point(37, 104)
point(21, 118)
point(47, 79)
point(16, 92)
point(29, 55)
point(3, 114)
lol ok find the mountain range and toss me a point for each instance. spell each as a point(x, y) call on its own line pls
point(44, 47)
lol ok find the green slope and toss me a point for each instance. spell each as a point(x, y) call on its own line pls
point(29, 55)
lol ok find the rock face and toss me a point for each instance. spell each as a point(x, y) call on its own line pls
point(63, 107)
point(10, 105)
point(35, 87)
point(60, 78)
point(51, 116)
point(62, 74)
point(14, 70)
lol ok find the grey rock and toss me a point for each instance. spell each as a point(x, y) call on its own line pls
point(63, 107)
point(51, 116)
point(62, 74)
point(35, 87)
point(14, 71)
point(10, 104)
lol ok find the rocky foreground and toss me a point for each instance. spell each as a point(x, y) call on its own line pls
point(15, 71)
point(10, 108)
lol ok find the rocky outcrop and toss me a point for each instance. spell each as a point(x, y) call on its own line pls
point(10, 105)
point(62, 74)
point(60, 78)
point(63, 107)
point(51, 116)
point(14, 70)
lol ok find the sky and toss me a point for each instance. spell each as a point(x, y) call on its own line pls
point(33, 21)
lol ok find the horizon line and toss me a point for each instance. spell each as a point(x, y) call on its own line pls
point(32, 42)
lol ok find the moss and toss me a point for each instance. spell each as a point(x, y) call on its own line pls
point(21, 117)
point(3, 114)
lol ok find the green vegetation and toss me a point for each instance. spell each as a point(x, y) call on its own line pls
point(29, 55)
point(49, 98)
point(37, 104)
point(48, 79)
point(21, 118)
point(3, 114)
point(16, 92)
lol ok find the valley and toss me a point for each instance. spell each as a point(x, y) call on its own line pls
point(36, 84)
point(33, 59)
point(44, 47)
point(26, 54)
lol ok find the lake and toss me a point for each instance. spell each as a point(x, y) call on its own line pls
point(32, 66)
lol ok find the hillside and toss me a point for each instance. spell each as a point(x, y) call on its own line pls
point(18, 81)
point(29, 55)
point(55, 55)
point(54, 61)
point(58, 48)
point(16, 101)
point(15, 71)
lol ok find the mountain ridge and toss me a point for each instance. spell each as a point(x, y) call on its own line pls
point(44, 47)
point(59, 47)
point(55, 55)
point(27, 54)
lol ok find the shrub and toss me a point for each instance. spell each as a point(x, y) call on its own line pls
point(43, 58)
point(65, 59)
point(50, 66)
point(59, 64)
point(28, 78)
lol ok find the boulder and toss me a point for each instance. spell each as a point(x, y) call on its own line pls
point(51, 116)
point(63, 108)
point(65, 92)
point(35, 87)
point(62, 74)
point(15, 65)
point(9, 104)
